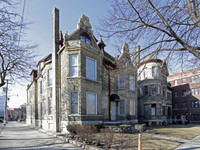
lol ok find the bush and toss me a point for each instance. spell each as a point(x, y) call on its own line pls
point(72, 128)
point(85, 132)
point(97, 126)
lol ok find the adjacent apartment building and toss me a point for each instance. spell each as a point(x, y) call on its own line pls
point(186, 95)
point(155, 100)
point(79, 82)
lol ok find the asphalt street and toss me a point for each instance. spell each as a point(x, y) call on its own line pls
point(18, 136)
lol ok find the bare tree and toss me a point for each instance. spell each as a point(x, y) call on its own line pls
point(170, 28)
point(16, 55)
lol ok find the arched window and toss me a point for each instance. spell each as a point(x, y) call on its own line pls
point(85, 38)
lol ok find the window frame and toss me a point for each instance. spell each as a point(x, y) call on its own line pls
point(120, 107)
point(72, 66)
point(120, 83)
point(87, 103)
point(85, 38)
point(95, 76)
point(50, 79)
point(183, 80)
point(153, 71)
point(71, 102)
point(49, 106)
point(132, 83)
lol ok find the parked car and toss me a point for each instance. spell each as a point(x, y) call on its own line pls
point(1, 120)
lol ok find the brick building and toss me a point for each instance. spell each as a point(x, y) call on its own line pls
point(186, 95)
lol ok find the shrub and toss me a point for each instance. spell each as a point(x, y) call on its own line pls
point(85, 132)
point(72, 128)
point(108, 135)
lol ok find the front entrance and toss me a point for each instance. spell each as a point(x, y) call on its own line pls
point(113, 111)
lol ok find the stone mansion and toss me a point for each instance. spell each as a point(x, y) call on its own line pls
point(79, 82)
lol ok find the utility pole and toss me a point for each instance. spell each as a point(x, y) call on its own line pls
point(5, 112)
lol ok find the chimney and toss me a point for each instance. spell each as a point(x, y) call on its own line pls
point(55, 78)
point(136, 54)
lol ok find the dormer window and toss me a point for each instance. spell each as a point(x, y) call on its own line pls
point(85, 38)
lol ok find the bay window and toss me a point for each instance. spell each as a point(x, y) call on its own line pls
point(91, 69)
point(91, 104)
point(73, 65)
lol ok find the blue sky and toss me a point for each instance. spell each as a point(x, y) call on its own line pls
point(39, 13)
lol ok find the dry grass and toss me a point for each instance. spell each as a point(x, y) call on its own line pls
point(130, 142)
point(178, 131)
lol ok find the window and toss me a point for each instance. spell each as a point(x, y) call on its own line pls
point(158, 89)
point(175, 82)
point(49, 77)
point(184, 93)
point(192, 104)
point(132, 83)
point(164, 92)
point(146, 110)
point(40, 87)
point(49, 106)
point(39, 110)
point(196, 78)
point(196, 91)
point(153, 109)
point(91, 69)
point(121, 81)
point(74, 102)
point(183, 80)
point(169, 95)
point(193, 92)
point(44, 104)
point(196, 104)
point(122, 107)
point(91, 104)
point(153, 71)
point(192, 79)
point(163, 113)
point(175, 106)
point(184, 105)
point(153, 89)
point(85, 38)
point(132, 107)
point(73, 65)
point(175, 93)
point(159, 72)
point(195, 117)
point(145, 90)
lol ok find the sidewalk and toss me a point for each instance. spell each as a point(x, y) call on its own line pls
point(193, 144)
point(16, 135)
point(1, 127)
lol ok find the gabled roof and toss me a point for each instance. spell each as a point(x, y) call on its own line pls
point(45, 59)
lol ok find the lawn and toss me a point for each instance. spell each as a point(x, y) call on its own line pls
point(130, 141)
point(178, 131)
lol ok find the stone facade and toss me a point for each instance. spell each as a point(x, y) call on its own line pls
point(87, 85)
point(154, 97)
point(186, 96)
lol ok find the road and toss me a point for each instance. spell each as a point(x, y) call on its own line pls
point(18, 136)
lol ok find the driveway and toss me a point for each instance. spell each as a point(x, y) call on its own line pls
point(19, 136)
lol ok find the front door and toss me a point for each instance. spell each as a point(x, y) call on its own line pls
point(113, 111)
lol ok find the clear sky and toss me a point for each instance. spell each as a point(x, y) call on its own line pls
point(39, 13)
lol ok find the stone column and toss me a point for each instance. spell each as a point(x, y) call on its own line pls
point(55, 81)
